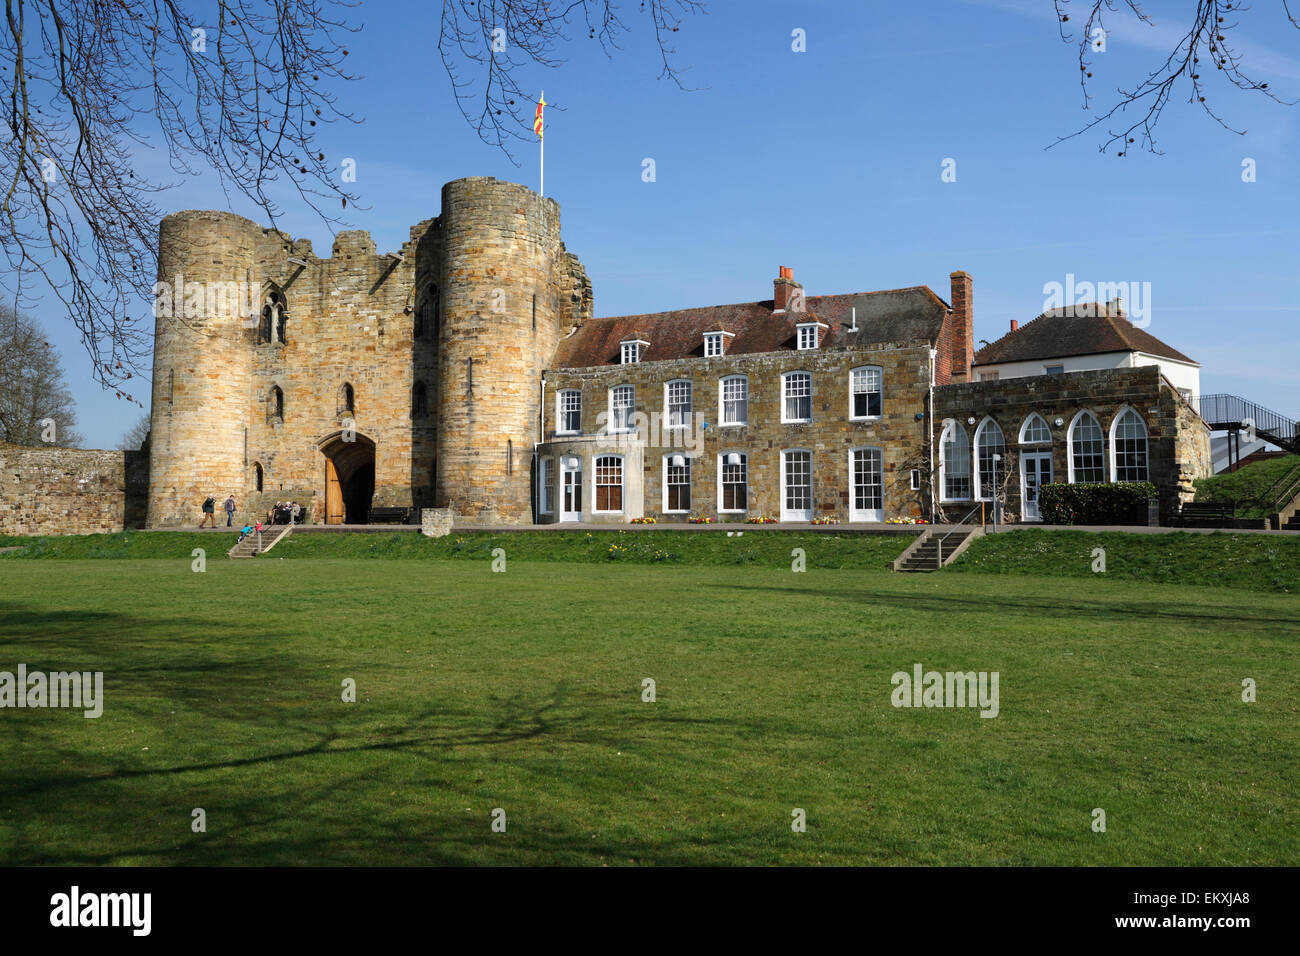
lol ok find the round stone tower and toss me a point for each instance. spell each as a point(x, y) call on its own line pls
point(202, 363)
point(499, 329)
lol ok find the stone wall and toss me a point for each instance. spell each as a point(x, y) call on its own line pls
point(71, 490)
point(830, 436)
point(1178, 442)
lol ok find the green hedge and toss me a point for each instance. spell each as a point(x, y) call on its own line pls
point(1123, 502)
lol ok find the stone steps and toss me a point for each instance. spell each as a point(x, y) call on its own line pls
point(926, 555)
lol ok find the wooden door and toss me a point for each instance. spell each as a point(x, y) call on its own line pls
point(333, 494)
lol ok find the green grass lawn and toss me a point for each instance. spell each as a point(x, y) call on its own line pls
point(1249, 488)
point(523, 691)
point(1254, 562)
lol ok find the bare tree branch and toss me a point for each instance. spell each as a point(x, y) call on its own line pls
point(485, 44)
point(1208, 34)
point(91, 83)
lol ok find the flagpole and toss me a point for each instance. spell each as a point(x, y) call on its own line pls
point(541, 148)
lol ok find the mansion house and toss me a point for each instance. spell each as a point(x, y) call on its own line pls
point(858, 408)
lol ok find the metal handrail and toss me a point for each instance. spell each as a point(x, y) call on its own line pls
point(1285, 489)
point(978, 508)
point(1224, 409)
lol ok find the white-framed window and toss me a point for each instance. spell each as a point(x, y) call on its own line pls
point(866, 399)
point(630, 351)
point(733, 482)
point(796, 485)
point(547, 503)
point(1087, 450)
point(622, 401)
point(677, 403)
point(715, 344)
point(1054, 370)
point(677, 484)
point(866, 484)
point(733, 400)
point(568, 404)
point(809, 333)
point(796, 397)
point(989, 376)
point(1128, 443)
point(915, 482)
point(954, 463)
point(1035, 431)
point(991, 458)
point(607, 478)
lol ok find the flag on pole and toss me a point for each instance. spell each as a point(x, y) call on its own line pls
point(537, 121)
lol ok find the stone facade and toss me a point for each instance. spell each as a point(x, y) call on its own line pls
point(1178, 441)
point(71, 490)
point(898, 432)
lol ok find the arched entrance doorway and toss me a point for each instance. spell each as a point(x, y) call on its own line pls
point(349, 477)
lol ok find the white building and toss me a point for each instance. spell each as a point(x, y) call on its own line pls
point(1083, 338)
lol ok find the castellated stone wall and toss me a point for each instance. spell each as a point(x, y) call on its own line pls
point(236, 401)
point(71, 490)
point(830, 436)
point(1178, 441)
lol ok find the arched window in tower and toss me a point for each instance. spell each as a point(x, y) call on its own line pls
point(257, 475)
point(419, 401)
point(427, 315)
point(347, 399)
point(275, 319)
point(275, 406)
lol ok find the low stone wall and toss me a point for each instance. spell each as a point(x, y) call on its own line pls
point(71, 490)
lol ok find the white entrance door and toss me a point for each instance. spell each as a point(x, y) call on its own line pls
point(866, 477)
point(571, 489)
point(1035, 471)
point(796, 486)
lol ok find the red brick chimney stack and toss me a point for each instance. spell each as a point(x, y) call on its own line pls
point(783, 289)
point(1014, 325)
point(962, 339)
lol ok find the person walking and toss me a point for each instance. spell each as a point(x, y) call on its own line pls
point(230, 510)
point(209, 511)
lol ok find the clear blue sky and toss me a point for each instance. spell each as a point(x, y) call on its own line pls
point(829, 161)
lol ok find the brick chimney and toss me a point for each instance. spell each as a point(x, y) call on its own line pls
point(961, 337)
point(1014, 325)
point(783, 289)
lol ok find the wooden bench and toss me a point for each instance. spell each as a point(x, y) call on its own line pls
point(388, 515)
point(1206, 514)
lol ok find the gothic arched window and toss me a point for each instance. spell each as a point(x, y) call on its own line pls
point(275, 319)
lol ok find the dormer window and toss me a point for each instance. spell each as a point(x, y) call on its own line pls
point(631, 350)
point(715, 343)
point(810, 335)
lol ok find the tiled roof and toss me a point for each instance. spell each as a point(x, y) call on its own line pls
point(1058, 333)
point(895, 315)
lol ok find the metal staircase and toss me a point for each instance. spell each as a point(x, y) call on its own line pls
point(1234, 413)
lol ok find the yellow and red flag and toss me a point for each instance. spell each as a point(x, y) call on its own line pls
point(537, 121)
